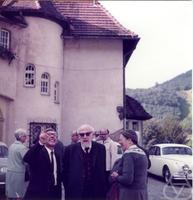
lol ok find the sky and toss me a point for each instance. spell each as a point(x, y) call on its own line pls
point(165, 49)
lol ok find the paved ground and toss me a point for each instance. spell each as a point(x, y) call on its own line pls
point(158, 190)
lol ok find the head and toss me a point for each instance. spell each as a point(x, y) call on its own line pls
point(85, 133)
point(104, 134)
point(51, 138)
point(128, 138)
point(74, 137)
point(21, 135)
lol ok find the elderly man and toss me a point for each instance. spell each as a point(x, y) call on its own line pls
point(44, 165)
point(15, 176)
point(84, 168)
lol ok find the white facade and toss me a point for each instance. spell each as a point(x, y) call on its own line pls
point(89, 73)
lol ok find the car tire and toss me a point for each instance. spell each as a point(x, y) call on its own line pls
point(167, 175)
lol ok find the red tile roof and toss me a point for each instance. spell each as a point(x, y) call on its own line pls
point(90, 18)
point(86, 17)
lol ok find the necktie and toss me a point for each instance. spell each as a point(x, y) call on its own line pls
point(87, 150)
point(52, 161)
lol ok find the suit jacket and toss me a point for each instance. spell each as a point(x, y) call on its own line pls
point(40, 173)
point(74, 167)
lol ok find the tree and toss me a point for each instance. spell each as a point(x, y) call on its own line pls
point(168, 130)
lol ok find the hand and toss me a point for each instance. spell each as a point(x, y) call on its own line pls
point(43, 138)
point(114, 175)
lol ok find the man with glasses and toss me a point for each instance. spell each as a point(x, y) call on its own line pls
point(84, 168)
point(44, 167)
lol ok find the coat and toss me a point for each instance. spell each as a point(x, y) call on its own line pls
point(40, 173)
point(74, 167)
point(133, 175)
point(15, 176)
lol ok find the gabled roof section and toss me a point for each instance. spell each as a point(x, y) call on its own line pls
point(43, 8)
point(133, 110)
point(90, 18)
point(32, 4)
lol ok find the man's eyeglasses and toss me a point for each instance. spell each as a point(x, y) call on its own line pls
point(83, 134)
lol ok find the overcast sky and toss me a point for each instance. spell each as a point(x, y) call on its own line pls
point(165, 49)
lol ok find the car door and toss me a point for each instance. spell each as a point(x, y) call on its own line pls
point(157, 165)
point(152, 157)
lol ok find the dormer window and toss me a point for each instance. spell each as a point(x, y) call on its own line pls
point(29, 80)
point(5, 39)
point(45, 84)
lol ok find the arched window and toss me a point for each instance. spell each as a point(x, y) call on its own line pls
point(5, 38)
point(45, 84)
point(56, 92)
point(29, 80)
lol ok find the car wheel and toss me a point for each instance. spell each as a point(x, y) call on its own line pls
point(167, 175)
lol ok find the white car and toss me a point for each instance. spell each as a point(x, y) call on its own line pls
point(3, 163)
point(172, 161)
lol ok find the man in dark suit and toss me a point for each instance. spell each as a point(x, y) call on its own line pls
point(44, 166)
point(84, 168)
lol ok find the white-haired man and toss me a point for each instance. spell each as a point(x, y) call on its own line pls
point(15, 176)
point(84, 167)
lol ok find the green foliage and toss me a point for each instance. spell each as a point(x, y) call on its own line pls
point(164, 99)
point(168, 130)
point(170, 104)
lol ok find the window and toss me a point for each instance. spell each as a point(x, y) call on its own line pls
point(45, 84)
point(29, 80)
point(135, 126)
point(127, 124)
point(157, 152)
point(152, 151)
point(56, 92)
point(5, 39)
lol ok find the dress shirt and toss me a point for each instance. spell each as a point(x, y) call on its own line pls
point(55, 164)
point(88, 146)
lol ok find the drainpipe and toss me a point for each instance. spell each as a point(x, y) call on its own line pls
point(124, 100)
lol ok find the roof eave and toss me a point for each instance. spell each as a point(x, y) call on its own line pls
point(129, 45)
point(33, 12)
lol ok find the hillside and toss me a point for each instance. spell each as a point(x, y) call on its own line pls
point(172, 98)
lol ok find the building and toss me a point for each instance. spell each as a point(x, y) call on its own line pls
point(133, 117)
point(62, 64)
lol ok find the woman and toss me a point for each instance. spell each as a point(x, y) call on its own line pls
point(132, 175)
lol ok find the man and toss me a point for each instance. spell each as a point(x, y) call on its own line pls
point(74, 137)
point(44, 166)
point(15, 176)
point(84, 168)
point(112, 151)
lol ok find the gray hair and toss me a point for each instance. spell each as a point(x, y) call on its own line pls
point(20, 132)
point(85, 128)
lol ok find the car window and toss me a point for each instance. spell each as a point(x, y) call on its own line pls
point(177, 150)
point(3, 152)
point(119, 150)
point(152, 151)
point(157, 151)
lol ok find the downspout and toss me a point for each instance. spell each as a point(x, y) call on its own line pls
point(124, 93)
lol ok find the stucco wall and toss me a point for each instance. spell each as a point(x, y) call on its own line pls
point(42, 46)
point(8, 70)
point(93, 84)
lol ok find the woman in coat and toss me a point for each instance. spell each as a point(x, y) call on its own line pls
point(132, 175)
point(15, 176)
